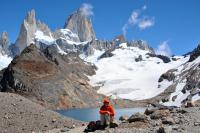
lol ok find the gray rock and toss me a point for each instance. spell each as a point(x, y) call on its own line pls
point(138, 117)
point(149, 111)
point(139, 58)
point(161, 130)
point(123, 118)
point(158, 114)
point(170, 76)
point(196, 123)
point(106, 54)
point(174, 98)
point(168, 120)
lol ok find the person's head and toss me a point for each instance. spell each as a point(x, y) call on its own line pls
point(106, 102)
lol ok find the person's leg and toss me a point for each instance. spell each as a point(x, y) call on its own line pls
point(107, 119)
point(102, 118)
point(111, 119)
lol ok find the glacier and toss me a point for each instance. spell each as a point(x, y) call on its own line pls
point(120, 76)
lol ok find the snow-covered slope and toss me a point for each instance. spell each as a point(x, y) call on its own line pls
point(123, 77)
point(186, 84)
point(4, 61)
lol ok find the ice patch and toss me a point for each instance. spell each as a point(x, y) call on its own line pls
point(61, 51)
point(4, 61)
point(39, 36)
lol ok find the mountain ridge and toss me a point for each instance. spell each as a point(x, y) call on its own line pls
point(54, 50)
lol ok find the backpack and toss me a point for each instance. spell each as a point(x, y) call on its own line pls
point(91, 127)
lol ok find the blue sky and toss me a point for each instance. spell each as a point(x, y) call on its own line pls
point(171, 25)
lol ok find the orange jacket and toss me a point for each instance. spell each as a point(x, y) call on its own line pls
point(107, 109)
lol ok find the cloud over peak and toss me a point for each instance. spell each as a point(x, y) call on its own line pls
point(146, 22)
point(164, 49)
point(87, 9)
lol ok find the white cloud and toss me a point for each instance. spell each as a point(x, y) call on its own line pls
point(137, 19)
point(124, 29)
point(144, 7)
point(145, 23)
point(164, 49)
point(86, 9)
point(133, 19)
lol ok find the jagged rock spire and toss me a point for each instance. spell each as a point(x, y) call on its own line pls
point(30, 18)
point(4, 43)
point(28, 29)
point(81, 25)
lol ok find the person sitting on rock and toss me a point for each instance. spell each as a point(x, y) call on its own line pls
point(107, 113)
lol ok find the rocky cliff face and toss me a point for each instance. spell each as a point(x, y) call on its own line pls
point(80, 24)
point(4, 43)
point(28, 29)
point(51, 79)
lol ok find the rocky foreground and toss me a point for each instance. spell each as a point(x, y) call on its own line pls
point(20, 115)
point(160, 120)
point(155, 120)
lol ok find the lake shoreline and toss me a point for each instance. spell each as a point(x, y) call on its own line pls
point(156, 120)
point(92, 114)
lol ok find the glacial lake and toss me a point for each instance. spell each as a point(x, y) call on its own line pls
point(92, 114)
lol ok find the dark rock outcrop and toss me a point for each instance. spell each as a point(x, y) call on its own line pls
point(106, 54)
point(165, 59)
point(169, 75)
point(51, 79)
point(139, 58)
point(195, 53)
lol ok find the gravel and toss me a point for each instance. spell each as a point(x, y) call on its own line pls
point(20, 115)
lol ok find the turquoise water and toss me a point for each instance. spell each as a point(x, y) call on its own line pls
point(92, 114)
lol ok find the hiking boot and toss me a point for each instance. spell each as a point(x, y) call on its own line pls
point(101, 127)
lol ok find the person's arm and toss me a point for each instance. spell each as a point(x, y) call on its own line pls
point(112, 111)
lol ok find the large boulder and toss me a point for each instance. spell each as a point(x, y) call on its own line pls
point(123, 118)
point(158, 114)
point(138, 117)
point(168, 120)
